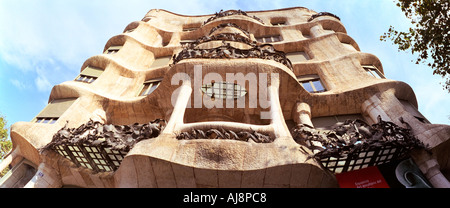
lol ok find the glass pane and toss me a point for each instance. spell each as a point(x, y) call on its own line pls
point(153, 87)
point(276, 38)
point(144, 89)
point(307, 86)
point(318, 85)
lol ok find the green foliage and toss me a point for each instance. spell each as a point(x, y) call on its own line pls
point(5, 142)
point(429, 36)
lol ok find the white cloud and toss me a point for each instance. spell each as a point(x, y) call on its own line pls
point(42, 84)
point(18, 84)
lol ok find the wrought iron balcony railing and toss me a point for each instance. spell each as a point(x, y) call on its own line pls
point(222, 13)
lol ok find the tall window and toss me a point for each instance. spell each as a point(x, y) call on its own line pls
point(297, 56)
point(373, 71)
point(149, 87)
point(311, 83)
point(51, 113)
point(270, 39)
point(89, 74)
point(161, 61)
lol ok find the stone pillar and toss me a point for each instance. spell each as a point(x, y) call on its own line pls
point(316, 30)
point(372, 108)
point(431, 169)
point(302, 114)
point(47, 175)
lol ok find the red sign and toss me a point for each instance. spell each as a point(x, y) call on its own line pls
point(369, 177)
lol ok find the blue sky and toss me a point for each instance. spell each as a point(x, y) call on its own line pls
point(44, 43)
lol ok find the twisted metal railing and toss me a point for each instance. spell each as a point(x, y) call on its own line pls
point(222, 13)
point(265, 51)
point(314, 16)
point(354, 144)
point(223, 25)
point(101, 147)
point(247, 136)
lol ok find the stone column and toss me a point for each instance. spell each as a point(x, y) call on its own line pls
point(316, 30)
point(431, 169)
point(302, 114)
point(372, 107)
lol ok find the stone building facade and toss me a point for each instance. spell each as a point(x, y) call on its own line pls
point(215, 101)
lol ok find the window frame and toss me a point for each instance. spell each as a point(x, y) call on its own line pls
point(147, 85)
point(158, 60)
point(235, 92)
point(295, 56)
point(113, 50)
point(48, 115)
point(262, 39)
point(89, 74)
point(373, 71)
point(310, 79)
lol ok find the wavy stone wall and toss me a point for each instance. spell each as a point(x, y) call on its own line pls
point(172, 161)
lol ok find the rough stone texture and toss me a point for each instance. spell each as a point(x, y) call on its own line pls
point(167, 162)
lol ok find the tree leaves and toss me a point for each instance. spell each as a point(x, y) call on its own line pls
point(429, 37)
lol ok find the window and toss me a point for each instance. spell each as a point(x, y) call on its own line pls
point(279, 23)
point(149, 87)
point(327, 122)
point(112, 50)
point(269, 39)
point(89, 74)
point(130, 30)
point(84, 78)
point(223, 90)
point(311, 83)
point(185, 42)
point(297, 56)
point(51, 113)
point(94, 158)
point(188, 29)
point(161, 61)
point(373, 71)
point(46, 120)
